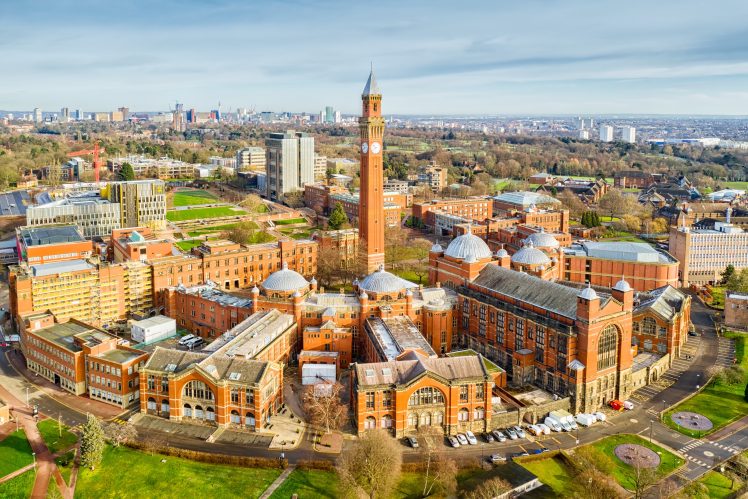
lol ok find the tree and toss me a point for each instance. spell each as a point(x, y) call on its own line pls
point(440, 471)
point(738, 281)
point(119, 434)
point(642, 478)
point(322, 403)
point(371, 466)
point(126, 172)
point(246, 233)
point(294, 199)
point(92, 442)
point(329, 263)
point(745, 395)
point(590, 219)
point(251, 202)
point(421, 248)
point(337, 218)
point(490, 489)
point(727, 273)
point(396, 245)
point(55, 174)
point(572, 203)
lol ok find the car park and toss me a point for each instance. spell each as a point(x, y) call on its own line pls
point(194, 343)
point(512, 434)
point(497, 458)
point(412, 441)
point(566, 426)
point(546, 429)
point(585, 419)
point(499, 436)
point(600, 416)
point(453, 442)
point(461, 438)
point(518, 454)
point(489, 438)
point(520, 432)
point(471, 438)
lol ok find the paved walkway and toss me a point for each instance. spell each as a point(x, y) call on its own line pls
point(278, 481)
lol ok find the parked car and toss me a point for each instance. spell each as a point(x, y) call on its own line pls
point(497, 458)
point(520, 432)
point(512, 434)
point(544, 449)
point(553, 424)
point(184, 339)
point(499, 436)
point(546, 429)
point(518, 454)
point(585, 419)
point(461, 438)
point(535, 451)
point(628, 405)
point(194, 343)
point(412, 441)
point(616, 405)
point(535, 430)
point(453, 442)
point(471, 438)
point(489, 438)
point(600, 416)
point(566, 426)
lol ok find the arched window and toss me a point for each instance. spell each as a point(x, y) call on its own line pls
point(235, 418)
point(426, 396)
point(438, 418)
point(387, 422)
point(370, 423)
point(412, 420)
point(165, 406)
point(199, 412)
point(426, 419)
point(249, 420)
point(462, 415)
point(607, 348)
point(210, 414)
point(478, 413)
point(151, 404)
point(197, 390)
point(187, 410)
point(649, 326)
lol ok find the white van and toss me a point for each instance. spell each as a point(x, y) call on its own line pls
point(194, 343)
point(585, 419)
point(553, 424)
point(184, 339)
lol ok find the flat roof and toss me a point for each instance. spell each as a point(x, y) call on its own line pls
point(252, 335)
point(398, 334)
point(631, 252)
point(211, 293)
point(64, 334)
point(119, 355)
point(50, 234)
point(14, 203)
point(153, 321)
point(53, 268)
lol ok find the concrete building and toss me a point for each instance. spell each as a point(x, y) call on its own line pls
point(628, 134)
point(38, 115)
point(161, 168)
point(289, 163)
point(52, 243)
point(736, 310)
point(153, 329)
point(96, 217)
point(705, 253)
point(320, 167)
point(142, 202)
point(434, 177)
point(520, 201)
point(606, 133)
point(250, 158)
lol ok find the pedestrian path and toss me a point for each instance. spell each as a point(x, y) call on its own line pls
point(278, 481)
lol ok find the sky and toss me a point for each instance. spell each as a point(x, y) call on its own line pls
point(431, 57)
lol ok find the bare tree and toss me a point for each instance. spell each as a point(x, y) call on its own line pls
point(490, 489)
point(330, 266)
point(323, 405)
point(642, 478)
point(594, 484)
point(294, 199)
point(440, 471)
point(421, 248)
point(572, 203)
point(396, 244)
point(251, 202)
point(119, 434)
point(371, 466)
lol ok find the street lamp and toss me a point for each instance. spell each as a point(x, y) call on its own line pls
point(27, 396)
point(651, 422)
point(577, 435)
point(33, 455)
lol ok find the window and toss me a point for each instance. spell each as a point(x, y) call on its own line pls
point(479, 392)
point(387, 422)
point(464, 393)
point(462, 415)
point(426, 396)
point(198, 390)
point(478, 414)
point(648, 326)
point(387, 399)
point(235, 396)
point(370, 423)
point(370, 400)
point(607, 348)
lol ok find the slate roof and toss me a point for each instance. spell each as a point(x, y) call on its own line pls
point(413, 365)
point(221, 367)
point(666, 301)
point(529, 289)
point(182, 359)
point(371, 88)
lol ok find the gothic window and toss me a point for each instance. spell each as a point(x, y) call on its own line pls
point(649, 326)
point(198, 390)
point(426, 396)
point(607, 347)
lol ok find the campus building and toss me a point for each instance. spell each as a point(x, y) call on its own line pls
point(82, 359)
point(96, 217)
point(141, 202)
point(51, 243)
point(289, 163)
point(474, 208)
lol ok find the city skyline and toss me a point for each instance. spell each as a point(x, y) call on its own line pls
point(488, 58)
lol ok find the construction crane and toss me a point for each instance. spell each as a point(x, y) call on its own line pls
point(96, 160)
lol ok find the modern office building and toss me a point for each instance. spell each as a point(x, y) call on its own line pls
point(628, 134)
point(161, 168)
point(606, 133)
point(38, 115)
point(96, 217)
point(289, 163)
point(320, 167)
point(250, 158)
point(142, 202)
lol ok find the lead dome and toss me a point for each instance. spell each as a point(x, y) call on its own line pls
point(468, 246)
point(285, 280)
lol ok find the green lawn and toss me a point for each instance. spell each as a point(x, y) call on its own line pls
point(719, 485)
point(193, 196)
point(65, 465)
point(19, 487)
point(290, 221)
point(188, 245)
point(718, 297)
point(127, 473)
point(411, 276)
point(201, 213)
point(308, 484)
point(720, 402)
point(622, 472)
point(51, 436)
point(553, 473)
point(15, 452)
point(734, 185)
point(216, 228)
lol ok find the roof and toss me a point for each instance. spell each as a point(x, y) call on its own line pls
point(251, 336)
point(14, 203)
point(209, 292)
point(529, 255)
point(235, 369)
point(468, 245)
point(525, 198)
point(381, 281)
point(543, 240)
point(285, 280)
point(398, 334)
point(666, 301)
point(627, 251)
point(548, 295)
point(161, 358)
point(64, 334)
point(119, 355)
point(402, 372)
point(50, 234)
point(371, 87)
point(153, 321)
point(54, 268)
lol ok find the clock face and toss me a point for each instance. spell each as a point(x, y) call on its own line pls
point(365, 147)
point(375, 147)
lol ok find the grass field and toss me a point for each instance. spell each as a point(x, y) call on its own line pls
point(718, 485)
point(718, 297)
point(290, 221)
point(210, 230)
point(65, 465)
point(19, 487)
point(411, 276)
point(126, 473)
point(200, 213)
point(734, 185)
point(51, 436)
point(193, 196)
point(623, 472)
point(15, 452)
point(553, 473)
point(188, 245)
point(308, 484)
point(720, 402)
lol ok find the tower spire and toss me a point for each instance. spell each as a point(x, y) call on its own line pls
point(371, 87)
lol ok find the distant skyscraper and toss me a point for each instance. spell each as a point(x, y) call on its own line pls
point(584, 134)
point(125, 113)
point(64, 115)
point(191, 115)
point(215, 114)
point(628, 134)
point(289, 163)
point(606, 133)
point(78, 114)
point(329, 115)
point(177, 119)
point(321, 117)
point(38, 115)
point(338, 117)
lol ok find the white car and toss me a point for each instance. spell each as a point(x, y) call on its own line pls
point(499, 436)
point(566, 426)
point(546, 429)
point(600, 416)
point(553, 424)
point(453, 442)
point(535, 430)
point(471, 438)
point(520, 432)
point(628, 405)
point(461, 438)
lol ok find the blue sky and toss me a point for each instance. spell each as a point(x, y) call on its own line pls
point(431, 57)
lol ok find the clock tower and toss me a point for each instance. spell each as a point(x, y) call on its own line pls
point(371, 201)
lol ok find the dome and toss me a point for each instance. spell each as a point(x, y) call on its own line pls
point(382, 281)
point(467, 245)
point(622, 286)
point(437, 248)
point(528, 255)
point(255, 289)
point(542, 240)
point(285, 280)
point(588, 293)
point(502, 253)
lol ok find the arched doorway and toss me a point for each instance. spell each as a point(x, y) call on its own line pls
point(187, 410)
point(210, 414)
point(236, 419)
point(249, 420)
point(370, 423)
point(151, 405)
point(165, 407)
point(199, 414)
point(387, 421)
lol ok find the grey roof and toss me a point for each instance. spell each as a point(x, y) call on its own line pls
point(395, 335)
point(285, 280)
point(53, 268)
point(402, 372)
point(220, 367)
point(632, 252)
point(182, 359)
point(529, 255)
point(468, 245)
point(371, 87)
point(14, 203)
point(50, 234)
point(153, 321)
point(548, 295)
point(542, 240)
point(525, 198)
point(209, 292)
point(381, 281)
point(666, 301)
